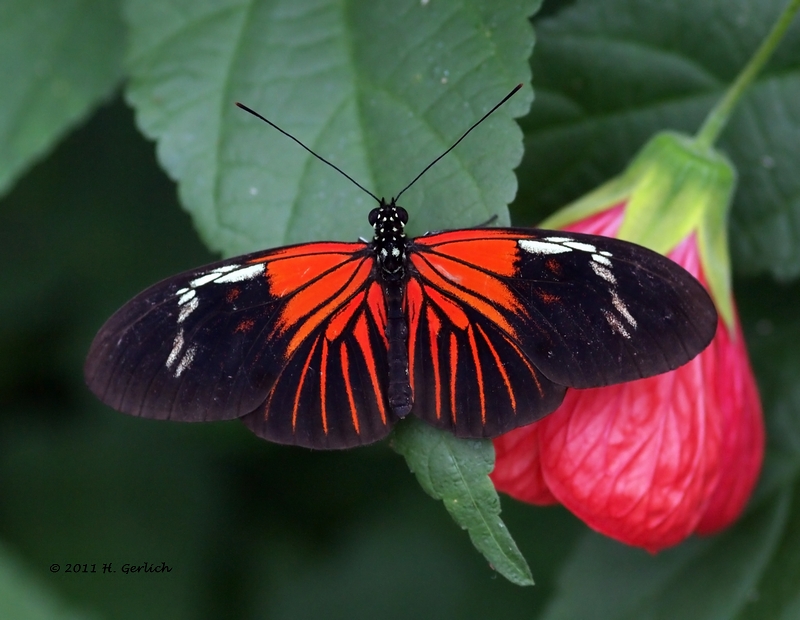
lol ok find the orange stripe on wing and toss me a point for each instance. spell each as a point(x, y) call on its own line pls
point(361, 333)
point(478, 373)
point(454, 313)
point(290, 268)
point(323, 385)
point(496, 255)
point(349, 387)
point(377, 306)
point(442, 273)
point(501, 368)
point(434, 325)
point(340, 319)
point(318, 300)
point(412, 306)
point(453, 375)
point(531, 368)
point(300, 383)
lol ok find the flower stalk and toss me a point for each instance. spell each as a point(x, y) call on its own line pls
point(716, 121)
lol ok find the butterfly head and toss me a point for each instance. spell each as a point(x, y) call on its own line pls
point(389, 241)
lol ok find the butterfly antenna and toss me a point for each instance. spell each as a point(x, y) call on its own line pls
point(319, 157)
point(483, 118)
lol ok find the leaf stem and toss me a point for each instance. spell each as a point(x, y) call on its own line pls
point(718, 117)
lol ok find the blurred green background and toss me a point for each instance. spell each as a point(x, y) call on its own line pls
point(256, 530)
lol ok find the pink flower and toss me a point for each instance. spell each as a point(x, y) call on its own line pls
point(651, 461)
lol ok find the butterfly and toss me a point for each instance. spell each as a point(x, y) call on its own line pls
point(329, 344)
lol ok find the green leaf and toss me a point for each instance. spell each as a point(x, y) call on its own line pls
point(456, 471)
point(700, 579)
point(381, 107)
point(58, 60)
point(611, 73)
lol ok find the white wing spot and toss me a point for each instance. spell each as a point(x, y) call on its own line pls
point(583, 247)
point(224, 269)
point(187, 296)
point(209, 277)
point(601, 259)
point(622, 308)
point(604, 273)
point(616, 324)
point(188, 309)
point(540, 247)
point(177, 345)
point(245, 273)
point(558, 239)
point(186, 360)
point(606, 254)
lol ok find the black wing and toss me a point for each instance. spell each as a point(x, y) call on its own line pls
point(252, 335)
point(502, 320)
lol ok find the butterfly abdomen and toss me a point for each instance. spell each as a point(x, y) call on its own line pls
point(400, 397)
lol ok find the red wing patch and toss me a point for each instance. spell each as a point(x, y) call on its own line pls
point(331, 390)
point(468, 369)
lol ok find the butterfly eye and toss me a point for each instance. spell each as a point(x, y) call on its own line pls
point(402, 214)
point(373, 216)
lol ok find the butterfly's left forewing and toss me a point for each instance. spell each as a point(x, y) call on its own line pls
point(502, 320)
point(228, 339)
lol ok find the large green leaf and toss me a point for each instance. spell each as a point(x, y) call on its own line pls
point(379, 88)
point(610, 73)
point(58, 60)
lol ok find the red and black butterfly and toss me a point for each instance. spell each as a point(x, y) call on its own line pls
point(328, 345)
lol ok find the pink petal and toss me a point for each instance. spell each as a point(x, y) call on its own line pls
point(604, 223)
point(732, 393)
point(517, 469)
point(635, 461)
point(736, 395)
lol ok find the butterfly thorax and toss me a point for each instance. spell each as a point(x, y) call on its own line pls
point(389, 244)
point(389, 240)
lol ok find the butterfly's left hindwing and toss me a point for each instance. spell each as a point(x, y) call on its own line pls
point(210, 344)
